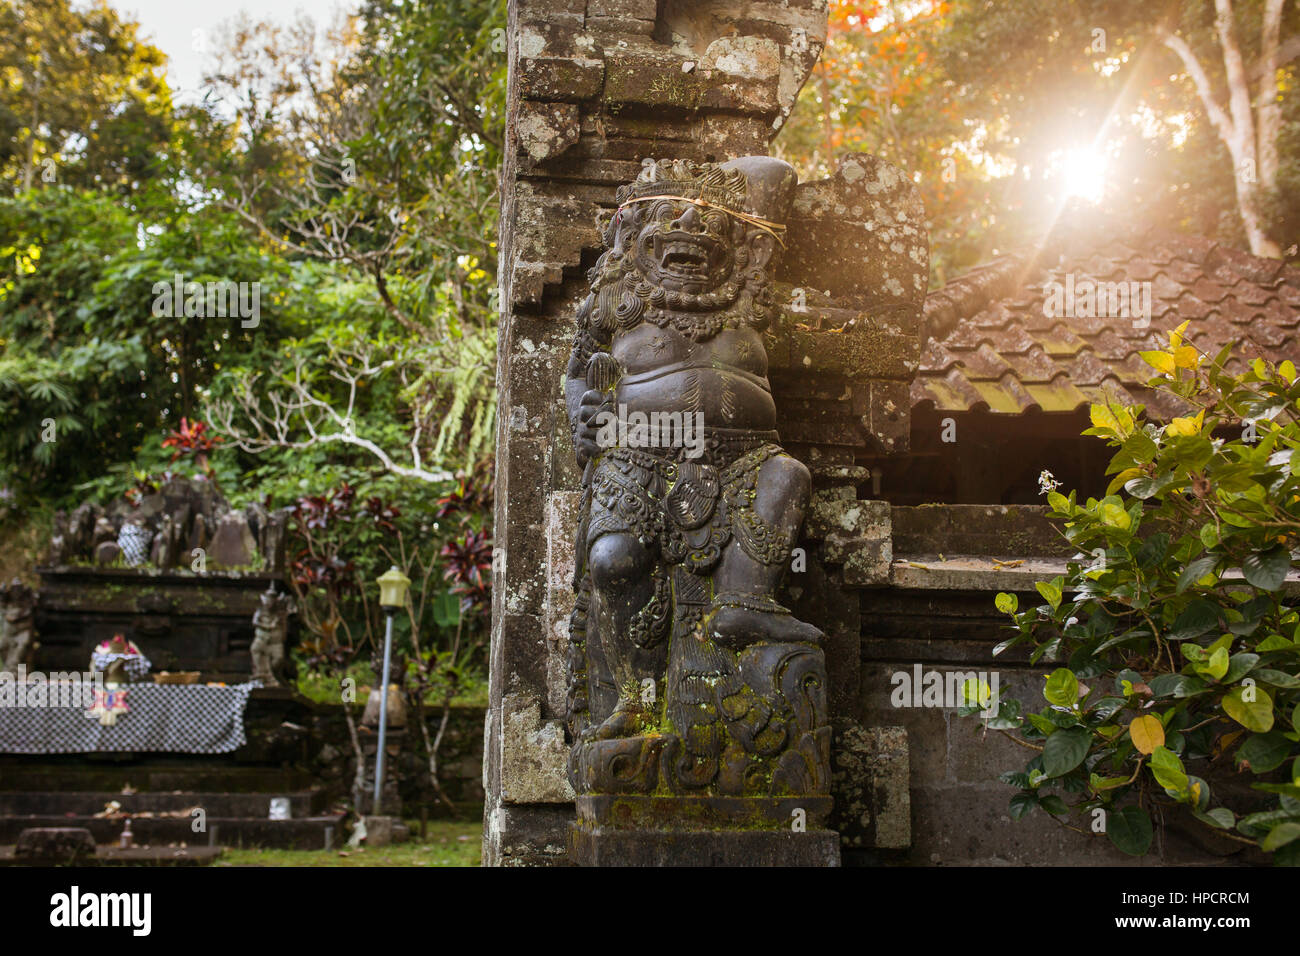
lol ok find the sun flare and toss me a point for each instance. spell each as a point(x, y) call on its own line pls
point(1081, 171)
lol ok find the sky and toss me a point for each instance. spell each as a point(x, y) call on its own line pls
point(171, 24)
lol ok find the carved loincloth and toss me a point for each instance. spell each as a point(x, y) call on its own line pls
point(741, 722)
point(689, 509)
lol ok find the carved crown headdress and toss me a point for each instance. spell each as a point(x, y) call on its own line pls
point(687, 180)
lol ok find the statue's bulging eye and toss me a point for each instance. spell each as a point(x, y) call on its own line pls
point(663, 211)
point(716, 223)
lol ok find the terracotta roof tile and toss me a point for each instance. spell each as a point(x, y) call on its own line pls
point(997, 349)
point(1060, 341)
point(1249, 293)
point(1035, 365)
point(1088, 370)
point(982, 363)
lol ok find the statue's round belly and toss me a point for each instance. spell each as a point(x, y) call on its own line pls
point(724, 399)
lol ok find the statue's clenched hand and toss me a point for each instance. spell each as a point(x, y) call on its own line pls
point(584, 436)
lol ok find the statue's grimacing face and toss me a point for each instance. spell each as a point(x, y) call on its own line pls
point(687, 248)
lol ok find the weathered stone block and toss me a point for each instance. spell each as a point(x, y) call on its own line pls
point(870, 784)
point(534, 754)
point(832, 511)
point(560, 78)
point(869, 213)
point(55, 845)
point(546, 129)
point(867, 561)
point(690, 831)
point(620, 26)
point(626, 9)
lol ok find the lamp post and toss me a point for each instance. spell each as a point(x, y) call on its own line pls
point(393, 585)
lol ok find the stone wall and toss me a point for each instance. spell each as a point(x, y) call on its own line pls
point(460, 759)
point(947, 565)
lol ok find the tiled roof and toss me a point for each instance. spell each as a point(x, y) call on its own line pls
point(990, 344)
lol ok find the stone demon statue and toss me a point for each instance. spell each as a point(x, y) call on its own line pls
point(271, 627)
point(686, 674)
point(17, 613)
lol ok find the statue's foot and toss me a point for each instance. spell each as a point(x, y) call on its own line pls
point(628, 720)
point(759, 621)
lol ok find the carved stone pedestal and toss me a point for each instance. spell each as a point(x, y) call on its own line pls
point(391, 799)
point(622, 830)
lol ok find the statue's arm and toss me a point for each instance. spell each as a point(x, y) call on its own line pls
point(581, 401)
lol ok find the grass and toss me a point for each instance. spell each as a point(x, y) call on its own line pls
point(325, 690)
point(446, 843)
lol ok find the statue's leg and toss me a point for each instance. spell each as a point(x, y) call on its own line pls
point(623, 583)
point(745, 609)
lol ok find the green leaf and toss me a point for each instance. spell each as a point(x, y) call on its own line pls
point(1199, 617)
point(1065, 750)
point(1267, 570)
point(1220, 818)
point(1051, 592)
point(446, 610)
point(1239, 665)
point(1106, 783)
point(1280, 836)
point(1196, 570)
point(1022, 803)
point(1254, 714)
point(1176, 685)
point(1006, 603)
point(1041, 723)
point(1216, 666)
point(1274, 642)
point(1115, 516)
point(1062, 688)
point(1140, 447)
point(1147, 487)
point(1168, 769)
point(1264, 752)
point(1053, 804)
point(1129, 828)
point(1276, 678)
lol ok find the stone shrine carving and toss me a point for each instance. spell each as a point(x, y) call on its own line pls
point(17, 612)
point(687, 677)
point(271, 627)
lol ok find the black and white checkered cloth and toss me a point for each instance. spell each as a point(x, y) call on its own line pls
point(136, 665)
point(173, 718)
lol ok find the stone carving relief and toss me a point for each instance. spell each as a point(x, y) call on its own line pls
point(686, 674)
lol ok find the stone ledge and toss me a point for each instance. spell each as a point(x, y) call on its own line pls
point(605, 847)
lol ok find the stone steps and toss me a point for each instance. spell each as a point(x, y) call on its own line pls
point(302, 803)
point(307, 833)
point(133, 856)
point(81, 772)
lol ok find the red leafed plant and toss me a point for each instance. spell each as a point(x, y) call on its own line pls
point(192, 438)
point(473, 493)
point(316, 512)
point(384, 515)
point(469, 566)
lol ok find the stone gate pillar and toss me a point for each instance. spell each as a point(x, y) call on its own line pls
point(596, 87)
